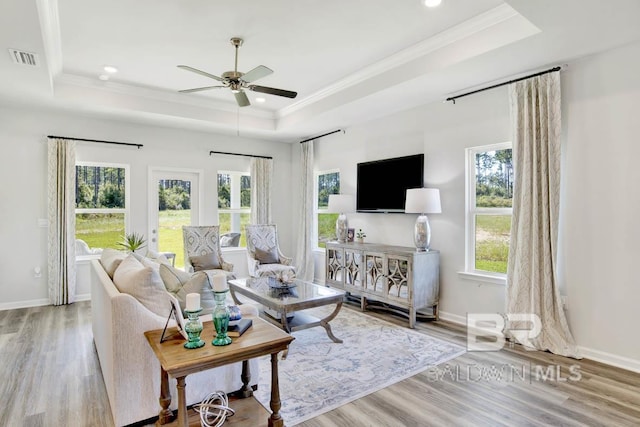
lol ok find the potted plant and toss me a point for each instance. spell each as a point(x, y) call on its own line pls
point(360, 235)
point(132, 242)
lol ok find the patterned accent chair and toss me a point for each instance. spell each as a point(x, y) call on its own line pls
point(263, 253)
point(203, 241)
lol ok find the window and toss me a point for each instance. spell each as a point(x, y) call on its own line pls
point(234, 203)
point(102, 204)
point(327, 182)
point(489, 201)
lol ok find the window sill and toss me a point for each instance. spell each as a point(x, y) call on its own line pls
point(484, 278)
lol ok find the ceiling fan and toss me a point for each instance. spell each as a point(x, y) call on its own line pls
point(238, 81)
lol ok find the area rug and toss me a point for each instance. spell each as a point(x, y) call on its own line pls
point(319, 375)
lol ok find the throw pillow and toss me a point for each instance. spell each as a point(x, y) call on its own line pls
point(208, 261)
point(158, 257)
point(144, 284)
point(173, 278)
point(267, 257)
point(199, 283)
point(111, 259)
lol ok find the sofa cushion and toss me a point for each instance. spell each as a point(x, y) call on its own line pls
point(181, 283)
point(144, 284)
point(267, 257)
point(173, 278)
point(208, 261)
point(111, 259)
point(158, 257)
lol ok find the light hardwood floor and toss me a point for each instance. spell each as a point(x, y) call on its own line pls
point(50, 376)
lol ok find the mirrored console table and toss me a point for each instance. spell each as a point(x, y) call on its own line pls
point(395, 278)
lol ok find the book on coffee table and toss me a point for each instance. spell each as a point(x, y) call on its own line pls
point(238, 327)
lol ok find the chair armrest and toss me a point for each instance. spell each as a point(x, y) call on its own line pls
point(285, 260)
point(227, 266)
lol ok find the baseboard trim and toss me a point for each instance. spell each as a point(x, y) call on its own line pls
point(588, 353)
point(37, 302)
point(24, 304)
point(610, 359)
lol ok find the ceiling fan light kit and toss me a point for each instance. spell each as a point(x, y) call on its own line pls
point(238, 81)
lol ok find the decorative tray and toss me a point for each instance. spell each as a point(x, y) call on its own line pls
point(276, 284)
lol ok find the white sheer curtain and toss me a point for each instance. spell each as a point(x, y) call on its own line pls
point(531, 274)
point(304, 250)
point(62, 221)
point(261, 173)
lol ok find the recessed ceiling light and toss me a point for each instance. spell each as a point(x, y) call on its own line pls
point(260, 99)
point(103, 77)
point(110, 69)
point(432, 3)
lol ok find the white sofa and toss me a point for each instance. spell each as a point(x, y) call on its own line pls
point(130, 369)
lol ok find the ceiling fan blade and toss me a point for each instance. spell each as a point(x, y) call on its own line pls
point(202, 73)
point(198, 89)
point(257, 73)
point(273, 91)
point(242, 99)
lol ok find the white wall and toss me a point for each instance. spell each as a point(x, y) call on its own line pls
point(23, 168)
point(600, 230)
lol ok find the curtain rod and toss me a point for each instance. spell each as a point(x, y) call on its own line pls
point(320, 136)
point(98, 141)
point(551, 70)
point(239, 154)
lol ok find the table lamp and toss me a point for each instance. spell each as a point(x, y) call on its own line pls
point(422, 201)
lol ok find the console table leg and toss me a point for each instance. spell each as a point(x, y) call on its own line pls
point(183, 419)
point(275, 420)
point(412, 317)
point(246, 391)
point(165, 416)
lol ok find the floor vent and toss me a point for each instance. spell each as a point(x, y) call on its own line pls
point(24, 58)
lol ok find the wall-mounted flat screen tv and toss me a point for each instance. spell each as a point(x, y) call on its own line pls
point(382, 184)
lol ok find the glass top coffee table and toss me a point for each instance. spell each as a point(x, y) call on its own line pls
point(285, 301)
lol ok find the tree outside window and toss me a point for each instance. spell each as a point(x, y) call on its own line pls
point(101, 204)
point(327, 182)
point(490, 193)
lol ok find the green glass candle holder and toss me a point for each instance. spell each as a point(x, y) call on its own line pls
point(193, 327)
point(221, 319)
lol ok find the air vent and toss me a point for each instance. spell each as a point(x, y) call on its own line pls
point(24, 58)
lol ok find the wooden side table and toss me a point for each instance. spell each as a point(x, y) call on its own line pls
point(175, 360)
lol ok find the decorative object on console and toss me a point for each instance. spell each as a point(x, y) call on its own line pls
point(220, 312)
point(239, 327)
point(193, 326)
point(360, 235)
point(351, 232)
point(214, 409)
point(234, 313)
point(341, 204)
point(422, 201)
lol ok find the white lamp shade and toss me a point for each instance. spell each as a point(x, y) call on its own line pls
point(340, 203)
point(422, 200)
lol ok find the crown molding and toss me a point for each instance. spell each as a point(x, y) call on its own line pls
point(158, 95)
point(463, 30)
point(50, 27)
